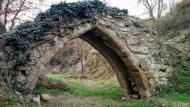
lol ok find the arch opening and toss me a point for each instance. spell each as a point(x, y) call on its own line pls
point(99, 40)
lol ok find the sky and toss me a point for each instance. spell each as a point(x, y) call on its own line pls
point(133, 7)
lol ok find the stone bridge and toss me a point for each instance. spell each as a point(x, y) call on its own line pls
point(128, 44)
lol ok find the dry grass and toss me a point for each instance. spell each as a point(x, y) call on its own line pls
point(174, 22)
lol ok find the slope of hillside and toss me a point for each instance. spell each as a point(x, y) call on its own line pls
point(174, 32)
point(81, 62)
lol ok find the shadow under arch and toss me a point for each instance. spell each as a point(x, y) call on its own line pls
point(131, 79)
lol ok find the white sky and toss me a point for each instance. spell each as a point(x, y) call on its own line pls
point(134, 9)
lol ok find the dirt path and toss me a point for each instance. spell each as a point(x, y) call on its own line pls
point(63, 100)
point(67, 100)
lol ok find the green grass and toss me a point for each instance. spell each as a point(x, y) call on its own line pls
point(42, 90)
point(31, 105)
point(74, 87)
point(176, 96)
point(110, 92)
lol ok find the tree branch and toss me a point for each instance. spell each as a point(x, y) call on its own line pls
point(16, 14)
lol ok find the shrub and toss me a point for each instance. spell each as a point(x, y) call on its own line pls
point(176, 21)
point(179, 88)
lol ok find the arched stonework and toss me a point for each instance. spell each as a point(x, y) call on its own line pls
point(126, 42)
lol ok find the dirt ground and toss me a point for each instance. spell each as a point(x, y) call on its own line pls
point(63, 100)
point(67, 100)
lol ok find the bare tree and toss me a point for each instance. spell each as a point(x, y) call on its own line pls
point(80, 54)
point(154, 6)
point(2, 28)
point(160, 8)
point(11, 11)
point(1, 2)
point(150, 6)
point(186, 1)
point(171, 6)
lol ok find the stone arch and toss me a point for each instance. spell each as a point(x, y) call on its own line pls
point(126, 42)
point(122, 61)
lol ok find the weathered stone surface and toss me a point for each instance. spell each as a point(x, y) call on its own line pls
point(128, 44)
point(123, 99)
point(20, 98)
point(2, 90)
point(135, 96)
point(46, 97)
point(36, 100)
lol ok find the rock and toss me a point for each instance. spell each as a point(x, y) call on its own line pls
point(36, 100)
point(1, 93)
point(188, 57)
point(139, 49)
point(21, 77)
point(2, 90)
point(135, 89)
point(51, 84)
point(123, 99)
point(135, 96)
point(46, 97)
point(19, 97)
point(133, 84)
point(19, 105)
point(36, 53)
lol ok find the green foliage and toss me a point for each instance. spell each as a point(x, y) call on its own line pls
point(31, 105)
point(177, 96)
point(8, 100)
point(179, 90)
point(181, 81)
point(28, 33)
